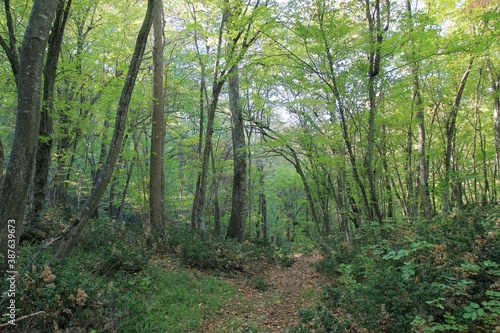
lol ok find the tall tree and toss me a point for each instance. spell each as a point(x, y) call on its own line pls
point(74, 234)
point(156, 173)
point(375, 38)
point(197, 213)
point(236, 228)
point(450, 136)
point(419, 115)
point(236, 23)
point(19, 173)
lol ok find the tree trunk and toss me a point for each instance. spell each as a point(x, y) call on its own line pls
point(262, 216)
point(46, 130)
point(237, 221)
point(156, 173)
point(197, 214)
point(342, 111)
point(20, 169)
point(422, 155)
point(419, 116)
point(1, 163)
point(375, 39)
point(495, 86)
point(298, 167)
point(121, 208)
point(96, 168)
point(217, 219)
point(92, 202)
point(450, 131)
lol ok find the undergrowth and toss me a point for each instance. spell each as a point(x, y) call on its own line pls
point(216, 253)
point(110, 283)
point(439, 276)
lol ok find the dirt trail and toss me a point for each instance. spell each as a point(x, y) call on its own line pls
point(274, 309)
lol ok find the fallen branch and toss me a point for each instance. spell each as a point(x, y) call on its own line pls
point(22, 318)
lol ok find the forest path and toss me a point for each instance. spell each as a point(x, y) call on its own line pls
point(269, 302)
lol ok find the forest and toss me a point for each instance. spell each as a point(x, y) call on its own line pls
point(250, 166)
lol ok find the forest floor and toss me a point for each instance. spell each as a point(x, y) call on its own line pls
point(269, 301)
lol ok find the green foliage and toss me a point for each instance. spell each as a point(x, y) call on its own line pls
point(443, 279)
point(216, 253)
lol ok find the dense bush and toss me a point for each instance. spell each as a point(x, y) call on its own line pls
point(440, 276)
point(216, 253)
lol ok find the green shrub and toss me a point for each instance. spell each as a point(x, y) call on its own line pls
point(437, 276)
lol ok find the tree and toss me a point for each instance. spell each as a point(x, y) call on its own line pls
point(236, 23)
point(18, 177)
point(450, 136)
point(237, 220)
point(197, 213)
point(419, 115)
point(375, 38)
point(156, 173)
point(73, 236)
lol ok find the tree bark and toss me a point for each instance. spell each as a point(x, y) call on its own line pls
point(92, 202)
point(156, 173)
point(19, 173)
point(237, 220)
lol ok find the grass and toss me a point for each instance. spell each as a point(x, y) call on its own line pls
point(309, 293)
point(172, 301)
